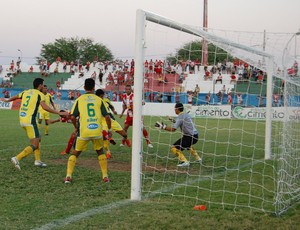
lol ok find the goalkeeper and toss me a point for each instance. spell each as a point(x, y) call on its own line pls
point(189, 135)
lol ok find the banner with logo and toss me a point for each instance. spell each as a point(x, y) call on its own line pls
point(5, 105)
point(209, 111)
point(256, 113)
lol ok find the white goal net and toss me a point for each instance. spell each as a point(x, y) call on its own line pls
point(248, 120)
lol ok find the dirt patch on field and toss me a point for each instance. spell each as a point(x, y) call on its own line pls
point(113, 165)
point(116, 165)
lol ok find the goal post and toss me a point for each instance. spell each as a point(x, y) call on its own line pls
point(137, 104)
point(268, 126)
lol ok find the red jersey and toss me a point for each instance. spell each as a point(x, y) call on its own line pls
point(128, 100)
point(233, 77)
point(229, 99)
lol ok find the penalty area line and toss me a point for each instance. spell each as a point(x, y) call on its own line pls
point(83, 215)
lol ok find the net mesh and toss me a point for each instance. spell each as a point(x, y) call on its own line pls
point(233, 172)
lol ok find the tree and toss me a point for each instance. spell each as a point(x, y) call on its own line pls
point(75, 49)
point(193, 51)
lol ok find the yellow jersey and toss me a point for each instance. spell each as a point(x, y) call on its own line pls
point(109, 107)
point(48, 101)
point(31, 100)
point(90, 109)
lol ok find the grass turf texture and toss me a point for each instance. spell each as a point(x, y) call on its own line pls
point(34, 197)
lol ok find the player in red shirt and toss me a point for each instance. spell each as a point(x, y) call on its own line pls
point(229, 99)
point(67, 119)
point(146, 64)
point(127, 99)
point(232, 78)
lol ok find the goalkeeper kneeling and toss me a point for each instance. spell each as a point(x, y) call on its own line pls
point(189, 135)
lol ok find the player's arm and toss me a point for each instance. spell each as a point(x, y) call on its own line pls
point(107, 118)
point(163, 126)
point(10, 99)
point(114, 111)
point(123, 110)
point(112, 108)
point(75, 113)
point(170, 129)
point(173, 128)
point(52, 103)
point(48, 109)
point(106, 115)
point(74, 122)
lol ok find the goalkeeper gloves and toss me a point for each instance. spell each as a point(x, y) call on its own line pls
point(160, 125)
point(172, 119)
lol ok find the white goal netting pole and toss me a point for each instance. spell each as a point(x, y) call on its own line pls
point(137, 104)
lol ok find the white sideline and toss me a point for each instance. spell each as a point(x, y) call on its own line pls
point(88, 213)
point(118, 204)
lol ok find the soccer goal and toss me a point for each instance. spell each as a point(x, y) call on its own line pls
point(248, 122)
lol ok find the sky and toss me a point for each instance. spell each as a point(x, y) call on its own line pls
point(26, 24)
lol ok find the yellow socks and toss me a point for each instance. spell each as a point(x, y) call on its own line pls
point(46, 129)
point(37, 153)
point(195, 154)
point(179, 154)
point(71, 165)
point(28, 150)
point(103, 164)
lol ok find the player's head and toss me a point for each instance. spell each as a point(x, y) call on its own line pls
point(37, 82)
point(45, 88)
point(89, 84)
point(179, 107)
point(100, 93)
point(66, 118)
point(128, 89)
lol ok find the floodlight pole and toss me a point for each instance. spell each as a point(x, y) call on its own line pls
point(21, 54)
point(204, 59)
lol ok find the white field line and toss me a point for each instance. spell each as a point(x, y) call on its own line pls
point(118, 204)
point(88, 213)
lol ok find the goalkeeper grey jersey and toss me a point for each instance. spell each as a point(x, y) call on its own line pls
point(184, 121)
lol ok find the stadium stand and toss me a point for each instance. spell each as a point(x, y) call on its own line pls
point(168, 84)
point(24, 80)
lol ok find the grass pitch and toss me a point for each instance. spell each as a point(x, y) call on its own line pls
point(38, 198)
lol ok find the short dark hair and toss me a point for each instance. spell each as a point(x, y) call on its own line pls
point(89, 84)
point(38, 81)
point(99, 92)
point(179, 106)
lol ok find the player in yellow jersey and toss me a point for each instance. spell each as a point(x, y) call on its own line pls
point(116, 127)
point(31, 99)
point(43, 114)
point(90, 109)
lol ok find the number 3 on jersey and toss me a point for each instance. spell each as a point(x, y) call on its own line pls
point(27, 101)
